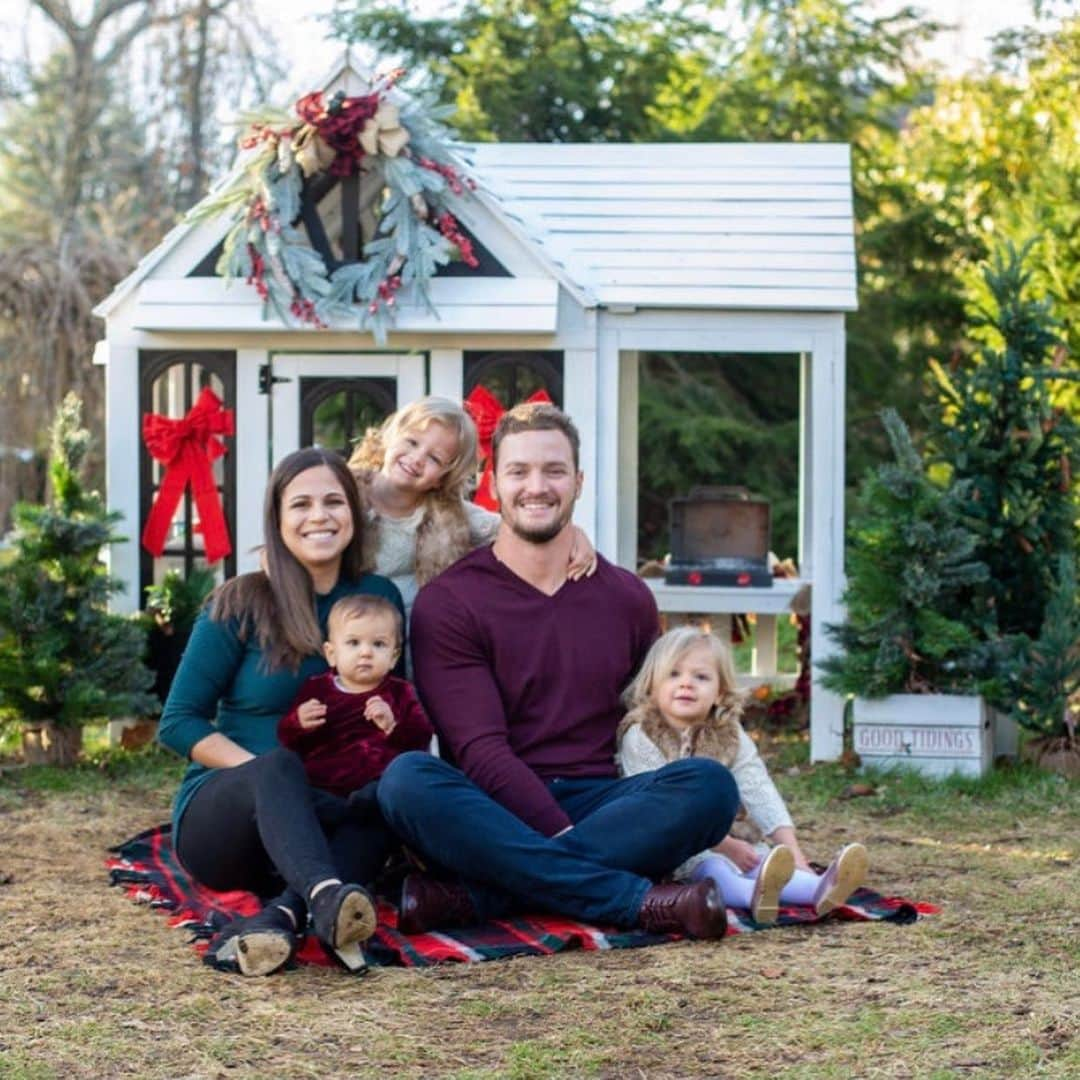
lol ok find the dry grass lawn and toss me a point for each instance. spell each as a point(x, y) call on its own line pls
point(92, 985)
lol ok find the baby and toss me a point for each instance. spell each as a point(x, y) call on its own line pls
point(349, 723)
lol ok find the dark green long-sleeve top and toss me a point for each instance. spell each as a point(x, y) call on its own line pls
point(221, 686)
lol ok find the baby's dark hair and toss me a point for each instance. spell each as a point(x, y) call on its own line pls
point(358, 605)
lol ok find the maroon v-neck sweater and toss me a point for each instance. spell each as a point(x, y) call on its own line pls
point(523, 687)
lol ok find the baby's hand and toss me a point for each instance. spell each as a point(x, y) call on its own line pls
point(378, 712)
point(311, 714)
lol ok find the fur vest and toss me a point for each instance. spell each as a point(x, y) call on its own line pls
point(442, 537)
point(717, 737)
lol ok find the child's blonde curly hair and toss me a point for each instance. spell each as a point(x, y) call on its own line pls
point(443, 534)
point(666, 653)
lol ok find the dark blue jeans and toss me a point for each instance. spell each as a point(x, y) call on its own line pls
point(626, 833)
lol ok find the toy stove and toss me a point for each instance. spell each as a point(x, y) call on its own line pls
point(719, 536)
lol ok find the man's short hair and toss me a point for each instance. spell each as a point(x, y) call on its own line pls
point(535, 416)
point(357, 605)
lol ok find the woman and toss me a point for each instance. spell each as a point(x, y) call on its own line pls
point(245, 816)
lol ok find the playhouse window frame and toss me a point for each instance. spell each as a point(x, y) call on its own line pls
point(153, 365)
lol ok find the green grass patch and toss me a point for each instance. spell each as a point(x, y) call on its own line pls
point(1009, 790)
point(149, 769)
point(20, 1067)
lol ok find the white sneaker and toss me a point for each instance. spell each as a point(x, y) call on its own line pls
point(842, 877)
point(775, 872)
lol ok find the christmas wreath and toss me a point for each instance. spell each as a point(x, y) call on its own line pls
point(397, 142)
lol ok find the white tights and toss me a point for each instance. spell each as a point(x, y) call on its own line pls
point(737, 887)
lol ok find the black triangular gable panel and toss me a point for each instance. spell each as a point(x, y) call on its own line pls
point(314, 193)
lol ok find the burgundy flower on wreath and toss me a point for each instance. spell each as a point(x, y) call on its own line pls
point(336, 137)
point(339, 125)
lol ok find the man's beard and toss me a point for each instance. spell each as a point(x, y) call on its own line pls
point(540, 534)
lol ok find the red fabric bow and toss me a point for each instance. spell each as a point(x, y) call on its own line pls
point(187, 448)
point(486, 409)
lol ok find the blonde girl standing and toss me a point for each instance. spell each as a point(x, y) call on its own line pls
point(414, 473)
point(684, 703)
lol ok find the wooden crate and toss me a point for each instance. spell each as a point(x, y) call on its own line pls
point(935, 734)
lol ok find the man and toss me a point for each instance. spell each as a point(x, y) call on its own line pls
point(521, 671)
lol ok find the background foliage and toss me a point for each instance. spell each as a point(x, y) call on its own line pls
point(64, 657)
point(104, 144)
point(942, 168)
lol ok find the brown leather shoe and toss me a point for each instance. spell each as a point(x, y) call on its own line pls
point(430, 904)
point(697, 910)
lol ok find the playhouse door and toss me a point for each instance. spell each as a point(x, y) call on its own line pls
point(329, 400)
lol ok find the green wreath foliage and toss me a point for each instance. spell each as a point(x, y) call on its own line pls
point(397, 141)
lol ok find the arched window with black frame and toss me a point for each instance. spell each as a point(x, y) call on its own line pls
point(169, 384)
point(513, 376)
point(335, 412)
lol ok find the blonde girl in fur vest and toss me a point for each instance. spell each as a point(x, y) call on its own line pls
point(683, 703)
point(414, 473)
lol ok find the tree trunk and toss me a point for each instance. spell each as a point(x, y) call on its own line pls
point(1055, 753)
point(47, 744)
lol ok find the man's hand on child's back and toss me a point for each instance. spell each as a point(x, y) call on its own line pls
point(379, 713)
point(311, 714)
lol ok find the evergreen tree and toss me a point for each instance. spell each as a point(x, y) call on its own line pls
point(910, 564)
point(1038, 681)
point(1000, 432)
point(64, 658)
point(1004, 436)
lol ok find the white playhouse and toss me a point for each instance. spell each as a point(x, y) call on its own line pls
point(590, 256)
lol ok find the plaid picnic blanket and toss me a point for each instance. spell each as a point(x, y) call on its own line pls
point(147, 869)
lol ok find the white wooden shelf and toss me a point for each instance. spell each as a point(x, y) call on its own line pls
point(765, 603)
point(728, 600)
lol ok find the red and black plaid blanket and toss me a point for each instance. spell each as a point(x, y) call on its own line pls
point(146, 867)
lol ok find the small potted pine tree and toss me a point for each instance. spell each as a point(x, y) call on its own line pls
point(909, 654)
point(65, 660)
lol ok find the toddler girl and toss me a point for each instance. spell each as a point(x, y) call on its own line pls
point(414, 473)
point(683, 703)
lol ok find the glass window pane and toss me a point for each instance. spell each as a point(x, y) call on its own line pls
point(367, 412)
point(328, 422)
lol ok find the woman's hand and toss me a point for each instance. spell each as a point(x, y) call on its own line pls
point(218, 751)
point(745, 856)
point(582, 557)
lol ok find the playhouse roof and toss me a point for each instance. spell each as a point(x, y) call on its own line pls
point(714, 225)
point(651, 225)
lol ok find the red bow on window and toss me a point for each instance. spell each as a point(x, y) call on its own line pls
point(486, 409)
point(187, 448)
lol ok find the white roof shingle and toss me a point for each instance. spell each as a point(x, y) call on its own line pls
point(713, 225)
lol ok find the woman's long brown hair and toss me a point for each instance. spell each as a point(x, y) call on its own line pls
point(278, 604)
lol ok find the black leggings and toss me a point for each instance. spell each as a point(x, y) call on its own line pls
point(261, 827)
